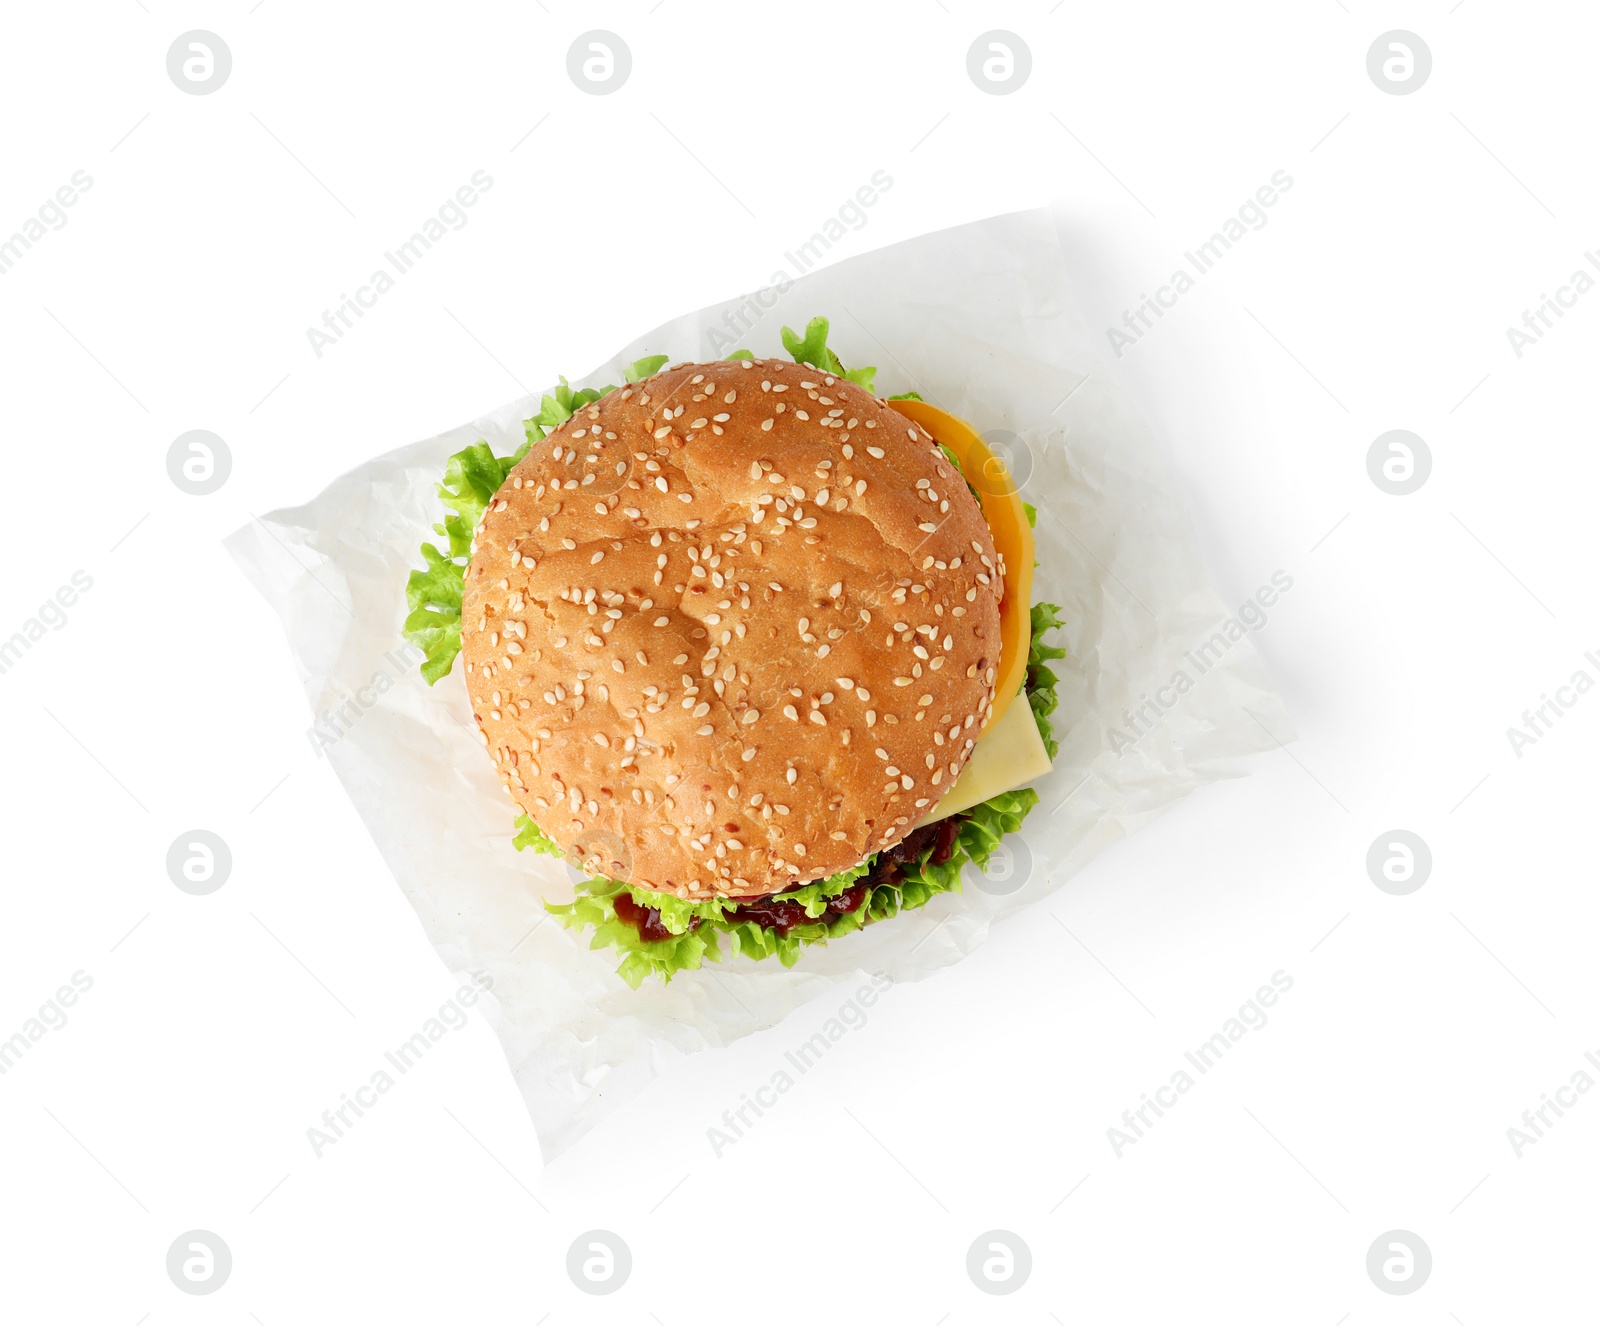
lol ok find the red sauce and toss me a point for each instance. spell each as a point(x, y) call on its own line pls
point(646, 920)
point(783, 915)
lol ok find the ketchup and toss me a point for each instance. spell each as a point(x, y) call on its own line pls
point(783, 915)
point(646, 920)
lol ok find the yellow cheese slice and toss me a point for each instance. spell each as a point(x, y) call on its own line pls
point(1009, 753)
point(1013, 538)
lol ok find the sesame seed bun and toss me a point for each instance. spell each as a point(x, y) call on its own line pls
point(731, 629)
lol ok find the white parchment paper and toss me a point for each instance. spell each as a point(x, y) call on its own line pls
point(980, 320)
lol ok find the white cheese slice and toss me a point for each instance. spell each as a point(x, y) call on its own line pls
point(1010, 754)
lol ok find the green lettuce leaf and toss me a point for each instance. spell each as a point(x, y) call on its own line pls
point(564, 402)
point(593, 908)
point(688, 948)
point(640, 369)
point(531, 835)
point(1039, 685)
point(990, 821)
point(433, 622)
point(559, 406)
point(812, 348)
point(433, 595)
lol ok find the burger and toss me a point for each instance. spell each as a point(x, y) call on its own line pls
point(749, 646)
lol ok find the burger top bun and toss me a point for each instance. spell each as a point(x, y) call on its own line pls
point(731, 629)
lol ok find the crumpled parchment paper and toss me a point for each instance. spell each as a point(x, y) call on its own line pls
point(980, 320)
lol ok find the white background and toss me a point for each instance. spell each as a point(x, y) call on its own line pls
point(219, 1028)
